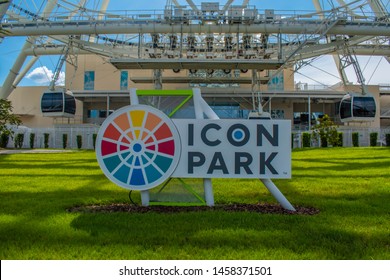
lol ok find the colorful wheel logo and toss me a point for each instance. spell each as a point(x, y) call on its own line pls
point(138, 147)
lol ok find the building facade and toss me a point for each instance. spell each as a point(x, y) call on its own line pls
point(100, 88)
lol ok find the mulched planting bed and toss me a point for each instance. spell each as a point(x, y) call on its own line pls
point(131, 208)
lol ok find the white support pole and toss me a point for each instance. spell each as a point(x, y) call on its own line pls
point(199, 111)
point(24, 71)
point(378, 8)
point(9, 83)
point(197, 104)
point(336, 57)
point(176, 3)
point(273, 189)
point(226, 7)
point(103, 9)
point(133, 96)
point(192, 5)
point(3, 8)
point(207, 110)
point(208, 191)
point(145, 197)
point(101, 15)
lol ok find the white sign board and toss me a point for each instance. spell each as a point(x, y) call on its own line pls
point(234, 149)
point(138, 147)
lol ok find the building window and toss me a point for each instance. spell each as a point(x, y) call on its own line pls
point(94, 114)
point(277, 114)
point(124, 80)
point(302, 118)
point(89, 80)
point(277, 82)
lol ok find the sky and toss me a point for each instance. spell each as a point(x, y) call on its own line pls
point(322, 72)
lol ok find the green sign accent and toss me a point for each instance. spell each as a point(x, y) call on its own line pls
point(178, 92)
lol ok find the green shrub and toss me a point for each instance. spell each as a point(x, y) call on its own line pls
point(18, 140)
point(355, 139)
point(64, 140)
point(4, 138)
point(79, 141)
point(306, 138)
point(94, 136)
point(340, 137)
point(388, 140)
point(46, 140)
point(324, 141)
point(292, 140)
point(326, 130)
point(373, 138)
point(32, 140)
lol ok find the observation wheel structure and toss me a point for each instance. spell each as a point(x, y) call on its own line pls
point(212, 37)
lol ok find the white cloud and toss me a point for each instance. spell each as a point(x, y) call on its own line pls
point(61, 79)
point(43, 75)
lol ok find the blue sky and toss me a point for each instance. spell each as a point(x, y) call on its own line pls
point(375, 68)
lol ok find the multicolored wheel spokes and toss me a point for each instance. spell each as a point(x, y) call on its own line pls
point(137, 147)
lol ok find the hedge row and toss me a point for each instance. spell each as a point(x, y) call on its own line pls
point(307, 137)
point(19, 140)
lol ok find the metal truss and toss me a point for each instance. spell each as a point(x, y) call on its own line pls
point(191, 35)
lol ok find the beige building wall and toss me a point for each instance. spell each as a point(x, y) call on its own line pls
point(26, 102)
point(107, 77)
point(285, 106)
point(288, 79)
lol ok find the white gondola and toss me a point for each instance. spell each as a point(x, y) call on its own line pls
point(58, 104)
point(357, 108)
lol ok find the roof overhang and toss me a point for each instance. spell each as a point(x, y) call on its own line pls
point(84, 95)
point(184, 63)
point(199, 80)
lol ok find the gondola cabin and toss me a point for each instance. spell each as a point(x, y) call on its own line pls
point(58, 104)
point(357, 108)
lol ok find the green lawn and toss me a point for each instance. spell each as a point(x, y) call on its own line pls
point(350, 187)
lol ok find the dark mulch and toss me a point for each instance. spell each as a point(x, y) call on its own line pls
point(131, 208)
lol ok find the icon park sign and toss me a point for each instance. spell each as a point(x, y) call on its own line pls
point(138, 147)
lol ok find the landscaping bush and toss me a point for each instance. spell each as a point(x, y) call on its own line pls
point(64, 140)
point(46, 140)
point(94, 136)
point(373, 138)
point(355, 139)
point(339, 139)
point(326, 130)
point(32, 140)
point(324, 141)
point(306, 138)
point(292, 141)
point(79, 140)
point(388, 140)
point(18, 140)
point(4, 137)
